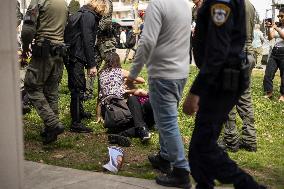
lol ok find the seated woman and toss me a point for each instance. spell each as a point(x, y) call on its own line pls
point(111, 82)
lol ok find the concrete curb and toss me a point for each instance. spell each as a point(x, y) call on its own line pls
point(42, 176)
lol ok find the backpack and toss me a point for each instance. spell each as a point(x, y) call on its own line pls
point(130, 40)
point(117, 113)
point(72, 30)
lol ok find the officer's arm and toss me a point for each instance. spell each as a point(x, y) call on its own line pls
point(87, 24)
point(30, 23)
point(217, 47)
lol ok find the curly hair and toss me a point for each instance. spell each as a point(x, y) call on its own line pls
point(96, 5)
point(112, 60)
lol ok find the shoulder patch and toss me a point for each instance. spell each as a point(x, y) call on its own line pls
point(220, 13)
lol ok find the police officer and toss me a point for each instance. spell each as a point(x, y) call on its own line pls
point(82, 55)
point(44, 22)
point(105, 44)
point(247, 141)
point(219, 41)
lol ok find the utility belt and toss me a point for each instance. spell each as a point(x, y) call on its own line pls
point(278, 51)
point(45, 49)
point(236, 77)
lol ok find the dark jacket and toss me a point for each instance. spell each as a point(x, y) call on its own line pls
point(85, 46)
point(219, 41)
point(216, 45)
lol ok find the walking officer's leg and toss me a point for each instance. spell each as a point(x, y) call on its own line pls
point(246, 112)
point(52, 84)
point(77, 87)
point(209, 162)
point(37, 75)
point(231, 136)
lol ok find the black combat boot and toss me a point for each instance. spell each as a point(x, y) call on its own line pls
point(228, 147)
point(119, 139)
point(86, 115)
point(245, 181)
point(77, 113)
point(25, 109)
point(248, 147)
point(49, 135)
point(179, 177)
point(160, 163)
point(80, 128)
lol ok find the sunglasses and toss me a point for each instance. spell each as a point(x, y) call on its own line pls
point(280, 16)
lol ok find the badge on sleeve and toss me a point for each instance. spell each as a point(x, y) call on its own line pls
point(220, 13)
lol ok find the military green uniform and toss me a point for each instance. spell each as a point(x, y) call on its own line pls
point(45, 22)
point(244, 106)
point(105, 43)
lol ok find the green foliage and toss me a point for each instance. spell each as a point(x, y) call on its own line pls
point(74, 6)
point(89, 151)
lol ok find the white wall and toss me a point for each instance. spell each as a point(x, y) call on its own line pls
point(11, 135)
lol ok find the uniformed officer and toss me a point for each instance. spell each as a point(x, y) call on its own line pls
point(105, 44)
point(219, 41)
point(44, 22)
point(232, 140)
point(82, 55)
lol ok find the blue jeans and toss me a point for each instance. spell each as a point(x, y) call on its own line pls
point(164, 97)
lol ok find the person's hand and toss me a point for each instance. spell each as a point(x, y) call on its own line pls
point(268, 24)
point(190, 105)
point(92, 71)
point(140, 92)
point(100, 120)
point(129, 83)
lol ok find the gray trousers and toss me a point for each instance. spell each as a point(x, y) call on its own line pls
point(41, 83)
point(244, 107)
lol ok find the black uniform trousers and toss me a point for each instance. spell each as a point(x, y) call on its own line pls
point(207, 160)
point(275, 61)
point(77, 86)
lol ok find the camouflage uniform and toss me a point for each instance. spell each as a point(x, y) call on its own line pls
point(105, 43)
point(44, 22)
point(244, 106)
point(19, 14)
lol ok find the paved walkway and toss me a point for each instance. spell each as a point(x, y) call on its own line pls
point(42, 176)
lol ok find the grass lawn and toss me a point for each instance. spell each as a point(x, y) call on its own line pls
point(89, 151)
